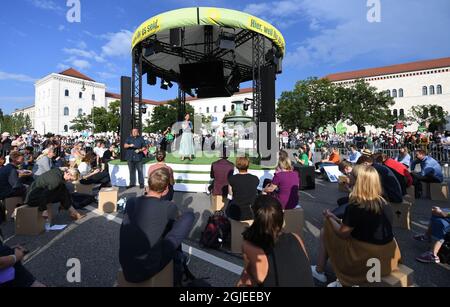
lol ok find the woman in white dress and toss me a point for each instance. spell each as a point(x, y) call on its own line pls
point(187, 148)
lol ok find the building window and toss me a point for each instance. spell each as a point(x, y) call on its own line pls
point(400, 92)
point(394, 93)
point(395, 113)
point(93, 96)
point(402, 113)
point(432, 90)
point(66, 111)
point(215, 109)
point(80, 112)
point(439, 89)
point(232, 107)
point(80, 95)
point(66, 128)
point(224, 108)
point(424, 91)
point(66, 93)
point(388, 92)
point(207, 110)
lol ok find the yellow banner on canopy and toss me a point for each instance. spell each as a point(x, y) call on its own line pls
point(194, 16)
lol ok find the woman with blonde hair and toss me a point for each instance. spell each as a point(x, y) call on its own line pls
point(285, 183)
point(364, 233)
point(44, 162)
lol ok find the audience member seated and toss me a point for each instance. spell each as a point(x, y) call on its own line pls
point(10, 184)
point(364, 233)
point(431, 171)
point(28, 159)
point(439, 226)
point(151, 233)
point(90, 176)
point(44, 162)
point(50, 188)
point(333, 160)
point(161, 157)
point(302, 158)
point(243, 188)
point(354, 154)
point(404, 157)
point(12, 273)
point(221, 170)
point(392, 190)
point(109, 155)
point(400, 171)
point(273, 258)
point(2, 161)
point(285, 184)
point(76, 155)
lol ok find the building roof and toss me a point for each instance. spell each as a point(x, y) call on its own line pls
point(389, 70)
point(190, 99)
point(75, 74)
point(119, 97)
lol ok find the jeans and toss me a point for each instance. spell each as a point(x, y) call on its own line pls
point(133, 166)
point(439, 227)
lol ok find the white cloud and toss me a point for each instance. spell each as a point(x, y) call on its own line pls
point(62, 66)
point(5, 76)
point(82, 45)
point(61, 28)
point(78, 63)
point(107, 75)
point(46, 5)
point(341, 32)
point(84, 54)
point(118, 45)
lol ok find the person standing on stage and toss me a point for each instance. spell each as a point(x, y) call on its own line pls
point(166, 142)
point(135, 146)
point(187, 141)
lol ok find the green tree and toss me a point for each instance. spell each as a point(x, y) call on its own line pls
point(362, 105)
point(80, 123)
point(164, 116)
point(431, 116)
point(309, 106)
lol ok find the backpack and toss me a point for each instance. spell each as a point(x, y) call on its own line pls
point(444, 252)
point(217, 231)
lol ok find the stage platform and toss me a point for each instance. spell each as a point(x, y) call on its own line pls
point(190, 176)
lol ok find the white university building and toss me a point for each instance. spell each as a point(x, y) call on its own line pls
point(410, 84)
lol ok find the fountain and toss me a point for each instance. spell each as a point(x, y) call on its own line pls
point(241, 126)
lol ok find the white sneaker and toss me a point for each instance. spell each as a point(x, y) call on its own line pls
point(335, 284)
point(207, 191)
point(319, 276)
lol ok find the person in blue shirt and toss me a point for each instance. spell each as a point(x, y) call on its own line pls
point(134, 146)
point(404, 157)
point(431, 171)
point(354, 154)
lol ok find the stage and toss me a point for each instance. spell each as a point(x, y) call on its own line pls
point(190, 176)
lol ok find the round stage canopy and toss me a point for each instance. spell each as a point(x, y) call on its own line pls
point(202, 34)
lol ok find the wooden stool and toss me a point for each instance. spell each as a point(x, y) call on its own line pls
point(411, 192)
point(294, 221)
point(84, 188)
point(401, 215)
point(237, 228)
point(163, 279)
point(11, 205)
point(438, 191)
point(29, 221)
point(107, 200)
point(403, 277)
point(217, 203)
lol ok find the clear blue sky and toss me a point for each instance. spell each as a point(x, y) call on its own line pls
point(322, 36)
